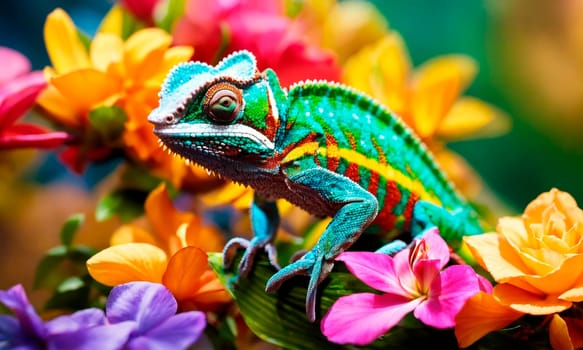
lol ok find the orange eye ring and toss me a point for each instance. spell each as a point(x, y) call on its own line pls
point(223, 102)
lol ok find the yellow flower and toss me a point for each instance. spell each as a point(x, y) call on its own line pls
point(344, 27)
point(428, 99)
point(174, 254)
point(112, 72)
point(537, 260)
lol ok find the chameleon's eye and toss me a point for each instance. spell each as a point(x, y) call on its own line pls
point(223, 102)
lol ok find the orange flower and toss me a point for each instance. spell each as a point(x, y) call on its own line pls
point(122, 74)
point(427, 99)
point(175, 255)
point(537, 260)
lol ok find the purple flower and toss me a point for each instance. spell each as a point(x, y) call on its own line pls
point(140, 315)
point(152, 309)
point(25, 329)
point(412, 280)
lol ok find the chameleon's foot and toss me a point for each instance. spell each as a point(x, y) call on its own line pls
point(251, 248)
point(311, 264)
point(392, 247)
point(397, 245)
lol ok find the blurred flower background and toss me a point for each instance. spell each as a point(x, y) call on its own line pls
point(527, 61)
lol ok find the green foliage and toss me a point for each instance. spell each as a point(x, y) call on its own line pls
point(174, 10)
point(85, 39)
point(69, 229)
point(293, 7)
point(125, 203)
point(108, 122)
point(63, 271)
point(139, 178)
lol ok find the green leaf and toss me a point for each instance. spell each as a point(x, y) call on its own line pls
point(48, 274)
point(85, 39)
point(71, 284)
point(81, 253)
point(174, 9)
point(72, 294)
point(108, 122)
point(126, 203)
point(70, 227)
point(139, 178)
point(280, 318)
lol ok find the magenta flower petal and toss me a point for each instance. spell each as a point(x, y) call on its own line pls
point(376, 270)
point(177, 332)
point(146, 303)
point(30, 135)
point(363, 317)
point(403, 269)
point(18, 96)
point(14, 64)
point(218, 28)
point(425, 272)
point(437, 248)
point(447, 295)
point(485, 285)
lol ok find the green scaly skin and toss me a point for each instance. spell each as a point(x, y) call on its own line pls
point(324, 147)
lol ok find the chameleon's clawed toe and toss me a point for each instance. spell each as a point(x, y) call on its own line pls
point(233, 244)
point(251, 248)
point(311, 265)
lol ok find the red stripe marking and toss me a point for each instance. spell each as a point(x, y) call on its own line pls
point(408, 212)
point(386, 218)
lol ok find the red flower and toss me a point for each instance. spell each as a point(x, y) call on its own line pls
point(219, 27)
point(141, 9)
point(19, 89)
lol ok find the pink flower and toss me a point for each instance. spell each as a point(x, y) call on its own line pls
point(216, 28)
point(412, 280)
point(18, 92)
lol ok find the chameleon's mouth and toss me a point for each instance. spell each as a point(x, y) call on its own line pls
point(217, 141)
point(191, 148)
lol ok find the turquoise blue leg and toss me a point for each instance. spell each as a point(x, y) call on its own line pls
point(264, 222)
point(357, 209)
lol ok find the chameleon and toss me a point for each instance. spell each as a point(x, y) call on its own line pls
point(322, 146)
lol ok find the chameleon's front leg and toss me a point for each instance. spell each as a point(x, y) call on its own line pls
point(357, 209)
point(264, 222)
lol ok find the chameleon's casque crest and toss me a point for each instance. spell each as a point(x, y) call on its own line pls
point(186, 80)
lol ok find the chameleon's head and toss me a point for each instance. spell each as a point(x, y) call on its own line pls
point(222, 116)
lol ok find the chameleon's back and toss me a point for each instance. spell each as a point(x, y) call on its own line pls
point(347, 132)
